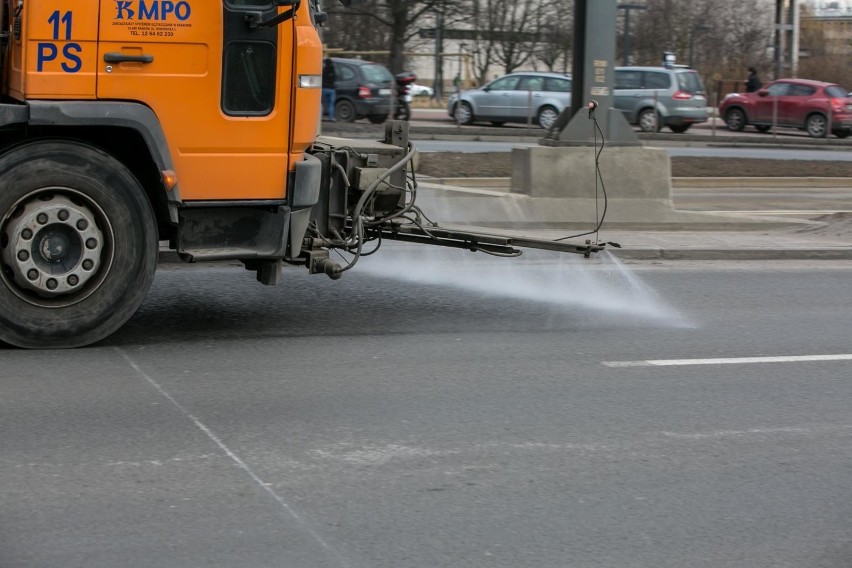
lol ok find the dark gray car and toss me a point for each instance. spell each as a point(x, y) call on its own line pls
point(362, 89)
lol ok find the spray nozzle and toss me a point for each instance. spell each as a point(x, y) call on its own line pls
point(592, 105)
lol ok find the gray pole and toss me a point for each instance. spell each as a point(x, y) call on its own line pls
point(578, 67)
point(779, 19)
point(439, 62)
point(695, 30)
point(625, 43)
point(593, 78)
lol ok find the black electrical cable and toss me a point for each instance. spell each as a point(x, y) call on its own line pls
point(378, 246)
point(598, 177)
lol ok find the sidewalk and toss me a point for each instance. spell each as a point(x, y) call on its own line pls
point(762, 232)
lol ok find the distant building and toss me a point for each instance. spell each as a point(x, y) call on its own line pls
point(831, 22)
point(829, 8)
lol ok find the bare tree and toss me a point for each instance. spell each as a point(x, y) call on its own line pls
point(516, 24)
point(556, 35)
point(722, 37)
point(386, 25)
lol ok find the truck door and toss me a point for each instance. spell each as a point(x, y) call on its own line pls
point(219, 87)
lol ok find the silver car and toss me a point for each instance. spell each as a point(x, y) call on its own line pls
point(518, 97)
point(653, 97)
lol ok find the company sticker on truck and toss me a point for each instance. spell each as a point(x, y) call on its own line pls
point(152, 18)
point(70, 53)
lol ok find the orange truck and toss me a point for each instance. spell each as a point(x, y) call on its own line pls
point(128, 124)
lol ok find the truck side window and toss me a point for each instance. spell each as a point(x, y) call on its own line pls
point(248, 86)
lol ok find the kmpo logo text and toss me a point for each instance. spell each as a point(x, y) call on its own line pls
point(156, 10)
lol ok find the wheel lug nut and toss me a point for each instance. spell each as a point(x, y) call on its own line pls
point(52, 284)
point(82, 224)
point(32, 274)
point(23, 256)
point(91, 243)
point(42, 218)
point(73, 280)
point(26, 234)
point(88, 264)
point(63, 215)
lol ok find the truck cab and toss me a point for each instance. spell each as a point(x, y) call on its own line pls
point(125, 124)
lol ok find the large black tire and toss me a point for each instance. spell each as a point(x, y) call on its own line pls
point(843, 133)
point(649, 121)
point(679, 128)
point(78, 245)
point(816, 125)
point(735, 119)
point(464, 113)
point(345, 111)
point(547, 116)
point(377, 118)
point(762, 128)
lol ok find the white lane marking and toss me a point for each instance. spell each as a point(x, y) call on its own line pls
point(236, 459)
point(728, 361)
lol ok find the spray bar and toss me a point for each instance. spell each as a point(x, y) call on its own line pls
point(502, 245)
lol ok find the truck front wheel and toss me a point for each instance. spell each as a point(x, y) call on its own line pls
point(78, 245)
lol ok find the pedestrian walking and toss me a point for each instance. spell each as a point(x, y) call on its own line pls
point(328, 79)
point(752, 83)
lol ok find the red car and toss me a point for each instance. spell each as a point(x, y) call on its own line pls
point(813, 106)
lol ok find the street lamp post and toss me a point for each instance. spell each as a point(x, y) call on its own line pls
point(625, 44)
point(462, 46)
point(439, 62)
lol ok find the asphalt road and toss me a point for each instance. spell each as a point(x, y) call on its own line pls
point(426, 411)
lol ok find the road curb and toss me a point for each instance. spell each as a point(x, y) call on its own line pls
point(734, 254)
point(677, 182)
point(779, 182)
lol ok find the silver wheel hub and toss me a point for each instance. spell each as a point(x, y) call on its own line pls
point(462, 113)
point(547, 118)
point(54, 246)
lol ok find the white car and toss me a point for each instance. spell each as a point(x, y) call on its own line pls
point(416, 90)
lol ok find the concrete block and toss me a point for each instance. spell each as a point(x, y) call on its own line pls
point(628, 172)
